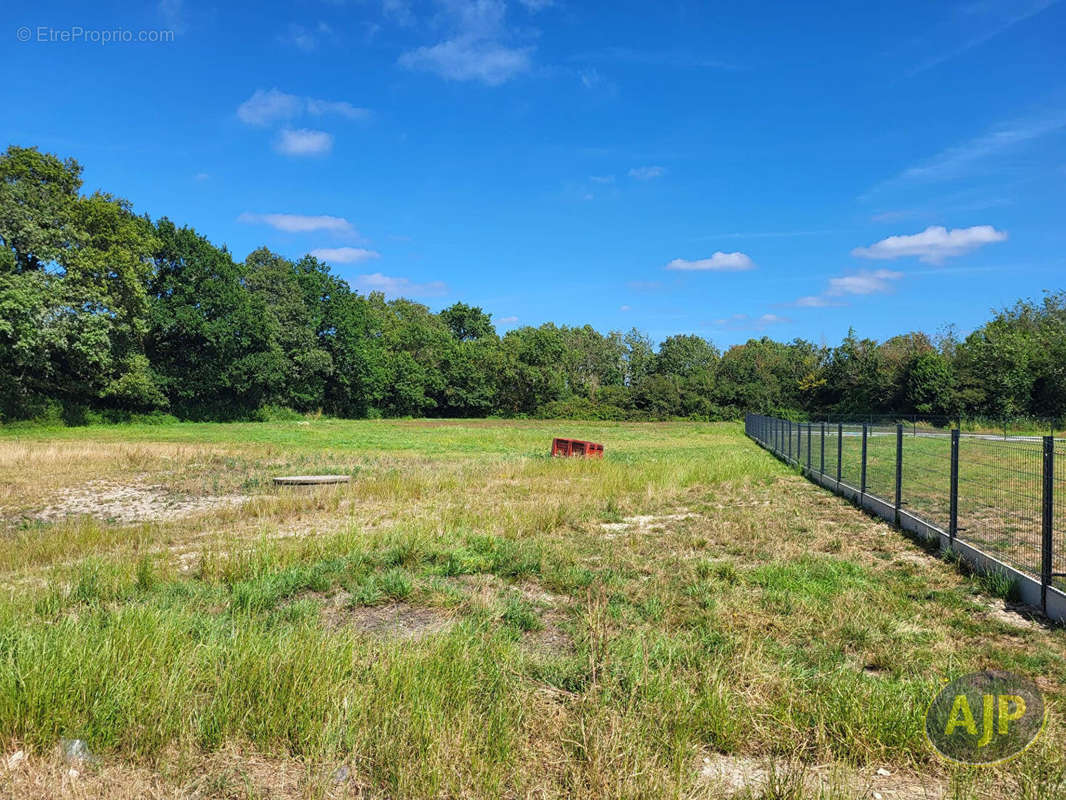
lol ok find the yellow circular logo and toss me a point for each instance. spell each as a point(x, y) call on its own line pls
point(985, 717)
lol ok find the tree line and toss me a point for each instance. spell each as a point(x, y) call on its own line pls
point(109, 315)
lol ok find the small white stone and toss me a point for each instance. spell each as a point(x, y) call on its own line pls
point(883, 771)
point(15, 759)
point(72, 773)
point(877, 796)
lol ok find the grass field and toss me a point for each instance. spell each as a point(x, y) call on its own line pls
point(471, 618)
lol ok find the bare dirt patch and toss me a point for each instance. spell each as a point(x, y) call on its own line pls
point(745, 776)
point(734, 774)
point(485, 585)
point(391, 621)
point(127, 504)
point(551, 639)
point(1015, 615)
point(645, 523)
point(229, 774)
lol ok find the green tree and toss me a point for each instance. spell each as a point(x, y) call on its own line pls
point(928, 384)
point(531, 376)
point(37, 196)
point(291, 296)
point(209, 339)
point(468, 323)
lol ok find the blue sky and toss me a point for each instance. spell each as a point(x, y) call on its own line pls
point(726, 169)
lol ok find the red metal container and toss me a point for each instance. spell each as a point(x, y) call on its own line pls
point(576, 447)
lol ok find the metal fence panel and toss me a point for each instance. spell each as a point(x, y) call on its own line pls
point(927, 476)
point(1004, 505)
point(1000, 498)
point(831, 450)
point(1058, 517)
point(851, 455)
point(881, 461)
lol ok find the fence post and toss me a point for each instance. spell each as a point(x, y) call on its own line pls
point(862, 480)
point(899, 470)
point(790, 440)
point(1047, 519)
point(840, 451)
point(808, 446)
point(953, 518)
point(822, 467)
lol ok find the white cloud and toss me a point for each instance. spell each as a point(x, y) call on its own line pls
point(173, 14)
point(963, 160)
point(591, 78)
point(813, 301)
point(932, 245)
point(304, 142)
point(507, 320)
point(646, 173)
point(864, 282)
point(772, 319)
point(267, 106)
point(476, 45)
point(340, 107)
point(399, 11)
point(345, 255)
point(956, 161)
point(718, 262)
point(747, 322)
point(992, 19)
point(601, 178)
point(466, 58)
point(399, 287)
point(482, 19)
point(624, 308)
point(299, 223)
point(201, 176)
point(304, 38)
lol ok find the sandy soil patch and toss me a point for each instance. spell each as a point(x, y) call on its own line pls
point(744, 776)
point(551, 639)
point(1016, 615)
point(127, 504)
point(226, 774)
point(645, 523)
point(391, 621)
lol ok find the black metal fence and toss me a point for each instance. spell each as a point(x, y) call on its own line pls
point(1000, 495)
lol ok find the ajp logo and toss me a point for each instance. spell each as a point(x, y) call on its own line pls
point(985, 717)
